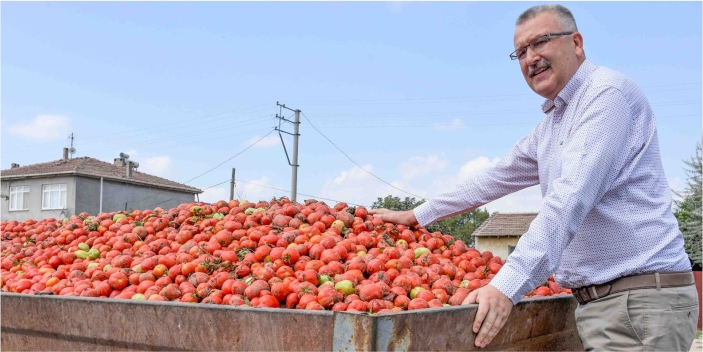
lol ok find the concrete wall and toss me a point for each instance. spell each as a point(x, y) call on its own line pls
point(497, 245)
point(34, 199)
point(83, 195)
point(115, 194)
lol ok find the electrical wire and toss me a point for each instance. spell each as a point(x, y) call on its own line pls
point(190, 134)
point(355, 163)
point(235, 155)
point(232, 157)
point(480, 97)
point(279, 189)
point(189, 121)
point(181, 143)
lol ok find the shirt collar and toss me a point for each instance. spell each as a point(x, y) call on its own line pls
point(571, 87)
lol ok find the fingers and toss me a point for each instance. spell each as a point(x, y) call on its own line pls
point(492, 313)
point(489, 329)
point(481, 313)
point(471, 298)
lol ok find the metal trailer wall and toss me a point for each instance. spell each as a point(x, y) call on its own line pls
point(31, 322)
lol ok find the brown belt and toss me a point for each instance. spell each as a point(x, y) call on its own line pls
point(634, 282)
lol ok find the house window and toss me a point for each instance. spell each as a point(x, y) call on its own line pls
point(511, 248)
point(19, 197)
point(53, 196)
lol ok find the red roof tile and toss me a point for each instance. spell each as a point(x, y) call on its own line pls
point(87, 166)
point(505, 224)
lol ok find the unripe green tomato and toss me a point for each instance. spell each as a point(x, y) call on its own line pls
point(345, 286)
point(325, 278)
point(81, 254)
point(93, 253)
point(139, 296)
point(420, 251)
point(415, 291)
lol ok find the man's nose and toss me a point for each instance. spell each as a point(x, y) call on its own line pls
point(531, 57)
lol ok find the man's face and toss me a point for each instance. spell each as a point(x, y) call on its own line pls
point(548, 71)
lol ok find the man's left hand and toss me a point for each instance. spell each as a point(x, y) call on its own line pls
point(493, 310)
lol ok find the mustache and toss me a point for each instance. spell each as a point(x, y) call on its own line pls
point(543, 63)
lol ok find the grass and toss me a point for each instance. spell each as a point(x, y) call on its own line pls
point(698, 334)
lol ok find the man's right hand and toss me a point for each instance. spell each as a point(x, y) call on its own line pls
point(406, 218)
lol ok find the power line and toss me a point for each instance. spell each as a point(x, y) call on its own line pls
point(279, 189)
point(208, 140)
point(188, 135)
point(245, 149)
point(151, 141)
point(189, 121)
point(531, 110)
point(405, 100)
point(232, 157)
point(440, 126)
point(355, 163)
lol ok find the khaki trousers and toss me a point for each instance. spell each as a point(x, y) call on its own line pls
point(640, 320)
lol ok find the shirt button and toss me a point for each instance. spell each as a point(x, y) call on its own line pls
point(556, 125)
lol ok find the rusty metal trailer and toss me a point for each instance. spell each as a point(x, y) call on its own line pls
point(31, 322)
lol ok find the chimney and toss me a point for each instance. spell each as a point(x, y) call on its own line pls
point(14, 166)
point(65, 153)
point(129, 169)
point(120, 162)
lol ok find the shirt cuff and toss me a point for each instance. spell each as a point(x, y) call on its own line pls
point(425, 214)
point(511, 283)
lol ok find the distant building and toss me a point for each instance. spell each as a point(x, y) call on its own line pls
point(66, 187)
point(501, 231)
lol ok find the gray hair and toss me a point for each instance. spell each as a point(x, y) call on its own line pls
point(564, 16)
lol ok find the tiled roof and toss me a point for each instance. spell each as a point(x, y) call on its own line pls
point(505, 224)
point(87, 166)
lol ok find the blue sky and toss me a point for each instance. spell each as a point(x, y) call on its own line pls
point(420, 94)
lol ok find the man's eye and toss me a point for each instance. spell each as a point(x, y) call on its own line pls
point(539, 43)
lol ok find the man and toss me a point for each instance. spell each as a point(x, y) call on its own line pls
point(605, 226)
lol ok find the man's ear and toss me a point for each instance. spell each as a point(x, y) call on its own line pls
point(577, 39)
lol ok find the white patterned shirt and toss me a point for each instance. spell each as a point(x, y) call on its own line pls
point(606, 204)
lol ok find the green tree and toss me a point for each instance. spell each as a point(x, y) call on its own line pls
point(395, 203)
point(459, 226)
point(688, 209)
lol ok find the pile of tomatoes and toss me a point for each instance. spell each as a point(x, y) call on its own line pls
point(273, 254)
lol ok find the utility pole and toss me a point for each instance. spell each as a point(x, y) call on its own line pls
point(294, 180)
point(231, 186)
point(295, 134)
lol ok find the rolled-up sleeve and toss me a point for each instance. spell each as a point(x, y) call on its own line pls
point(515, 171)
point(590, 162)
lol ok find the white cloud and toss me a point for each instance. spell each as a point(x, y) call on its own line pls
point(267, 142)
point(455, 125)
point(396, 6)
point(420, 166)
point(251, 190)
point(42, 127)
point(158, 165)
point(359, 187)
point(677, 186)
point(476, 164)
point(526, 200)
point(212, 195)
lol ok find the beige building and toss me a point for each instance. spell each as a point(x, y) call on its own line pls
point(501, 231)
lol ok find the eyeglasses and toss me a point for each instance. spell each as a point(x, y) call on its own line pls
point(537, 45)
